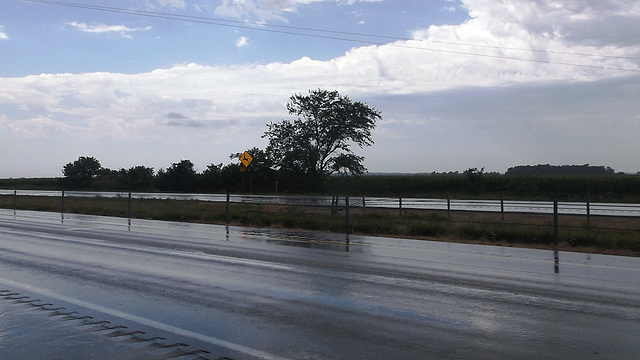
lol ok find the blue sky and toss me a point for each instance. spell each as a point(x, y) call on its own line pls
point(460, 84)
point(54, 38)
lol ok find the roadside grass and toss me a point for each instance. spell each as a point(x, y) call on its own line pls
point(617, 235)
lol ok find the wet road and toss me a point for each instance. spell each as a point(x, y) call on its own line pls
point(215, 291)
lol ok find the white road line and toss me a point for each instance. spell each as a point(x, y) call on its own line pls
point(147, 322)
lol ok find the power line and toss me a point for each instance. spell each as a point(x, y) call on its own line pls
point(339, 36)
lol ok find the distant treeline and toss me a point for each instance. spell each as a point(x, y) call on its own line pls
point(619, 187)
point(468, 185)
point(53, 184)
point(560, 170)
point(521, 182)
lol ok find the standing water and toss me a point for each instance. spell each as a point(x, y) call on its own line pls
point(36, 330)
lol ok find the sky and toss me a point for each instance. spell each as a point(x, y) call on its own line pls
point(460, 83)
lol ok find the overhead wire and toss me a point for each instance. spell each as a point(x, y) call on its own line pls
point(340, 36)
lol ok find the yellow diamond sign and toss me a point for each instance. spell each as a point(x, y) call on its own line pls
point(246, 159)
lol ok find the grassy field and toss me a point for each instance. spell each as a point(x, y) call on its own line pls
point(614, 235)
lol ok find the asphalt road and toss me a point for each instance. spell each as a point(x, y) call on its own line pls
point(94, 287)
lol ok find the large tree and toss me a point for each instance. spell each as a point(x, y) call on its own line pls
point(136, 178)
point(81, 172)
point(180, 176)
point(261, 175)
point(318, 142)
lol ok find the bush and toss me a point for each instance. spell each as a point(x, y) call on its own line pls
point(426, 229)
point(372, 226)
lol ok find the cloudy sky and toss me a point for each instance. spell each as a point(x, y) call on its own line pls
point(460, 83)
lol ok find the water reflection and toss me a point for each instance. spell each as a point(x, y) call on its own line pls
point(342, 246)
point(321, 241)
point(348, 242)
point(33, 332)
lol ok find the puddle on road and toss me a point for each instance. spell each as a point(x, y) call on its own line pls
point(308, 240)
point(35, 330)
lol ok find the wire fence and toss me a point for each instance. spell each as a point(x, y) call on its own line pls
point(583, 223)
point(586, 207)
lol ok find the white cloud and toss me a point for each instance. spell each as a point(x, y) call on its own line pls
point(102, 28)
point(3, 35)
point(450, 8)
point(32, 128)
point(98, 105)
point(171, 4)
point(468, 108)
point(242, 41)
point(264, 10)
point(565, 20)
point(538, 32)
point(403, 67)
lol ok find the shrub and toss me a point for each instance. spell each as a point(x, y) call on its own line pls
point(426, 229)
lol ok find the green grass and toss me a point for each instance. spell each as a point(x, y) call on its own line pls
point(617, 235)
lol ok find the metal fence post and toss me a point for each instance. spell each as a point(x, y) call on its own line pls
point(346, 201)
point(129, 211)
point(15, 202)
point(62, 206)
point(556, 259)
point(502, 205)
point(400, 206)
point(588, 209)
point(555, 222)
point(364, 206)
point(227, 217)
point(129, 206)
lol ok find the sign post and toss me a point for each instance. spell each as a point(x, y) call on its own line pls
point(245, 160)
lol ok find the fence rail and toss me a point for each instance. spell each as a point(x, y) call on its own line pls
point(605, 225)
point(504, 206)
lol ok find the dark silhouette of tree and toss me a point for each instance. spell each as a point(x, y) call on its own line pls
point(231, 177)
point(137, 178)
point(474, 180)
point(107, 180)
point(210, 178)
point(80, 173)
point(474, 175)
point(179, 177)
point(547, 169)
point(318, 142)
point(259, 176)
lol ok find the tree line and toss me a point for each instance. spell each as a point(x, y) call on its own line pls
point(261, 177)
point(305, 152)
point(470, 185)
point(87, 173)
point(301, 154)
point(547, 169)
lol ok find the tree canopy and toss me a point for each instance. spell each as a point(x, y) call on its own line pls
point(318, 142)
point(547, 169)
point(181, 176)
point(81, 172)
